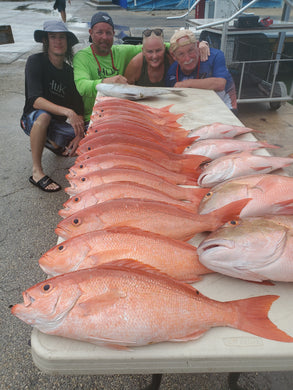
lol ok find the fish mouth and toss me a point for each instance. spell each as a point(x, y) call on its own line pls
point(62, 232)
point(209, 246)
point(201, 179)
point(72, 189)
point(65, 212)
point(27, 299)
point(72, 173)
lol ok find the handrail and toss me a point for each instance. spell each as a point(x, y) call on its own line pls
point(289, 2)
point(219, 22)
point(223, 21)
point(186, 13)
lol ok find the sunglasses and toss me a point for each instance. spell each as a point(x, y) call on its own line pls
point(148, 32)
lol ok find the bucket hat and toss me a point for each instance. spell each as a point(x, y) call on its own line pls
point(54, 26)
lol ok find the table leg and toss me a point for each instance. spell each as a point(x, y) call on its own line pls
point(156, 382)
point(232, 381)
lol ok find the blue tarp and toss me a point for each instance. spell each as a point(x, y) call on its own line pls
point(181, 4)
point(265, 4)
point(154, 4)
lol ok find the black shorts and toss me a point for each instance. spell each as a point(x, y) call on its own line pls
point(60, 5)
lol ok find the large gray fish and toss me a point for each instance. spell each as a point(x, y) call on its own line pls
point(134, 92)
point(256, 249)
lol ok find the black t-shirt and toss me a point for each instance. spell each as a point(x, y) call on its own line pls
point(42, 79)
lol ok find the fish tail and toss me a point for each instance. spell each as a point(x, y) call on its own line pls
point(195, 195)
point(230, 211)
point(253, 318)
point(192, 164)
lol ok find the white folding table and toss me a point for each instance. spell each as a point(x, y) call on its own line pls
point(219, 349)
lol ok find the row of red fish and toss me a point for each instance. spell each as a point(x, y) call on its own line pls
point(127, 202)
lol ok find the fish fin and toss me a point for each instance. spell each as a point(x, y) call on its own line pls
point(135, 264)
point(194, 195)
point(261, 168)
point(230, 211)
point(192, 336)
point(263, 283)
point(177, 92)
point(284, 207)
point(253, 318)
point(95, 304)
point(265, 144)
point(118, 347)
point(167, 108)
point(109, 343)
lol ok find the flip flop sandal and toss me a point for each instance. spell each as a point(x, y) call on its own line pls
point(43, 184)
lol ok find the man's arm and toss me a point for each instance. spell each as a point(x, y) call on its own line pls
point(215, 83)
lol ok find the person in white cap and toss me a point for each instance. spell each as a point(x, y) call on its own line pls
point(189, 72)
point(53, 110)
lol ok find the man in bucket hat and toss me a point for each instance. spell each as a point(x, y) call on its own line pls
point(189, 72)
point(53, 110)
point(101, 61)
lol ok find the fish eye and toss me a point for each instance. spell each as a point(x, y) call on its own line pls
point(233, 222)
point(208, 194)
point(46, 287)
point(76, 221)
point(76, 199)
point(83, 179)
point(60, 247)
point(81, 166)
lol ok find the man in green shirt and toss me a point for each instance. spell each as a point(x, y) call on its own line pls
point(101, 62)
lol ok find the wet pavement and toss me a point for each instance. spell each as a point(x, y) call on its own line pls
point(29, 216)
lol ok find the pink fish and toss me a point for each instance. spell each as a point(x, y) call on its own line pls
point(269, 194)
point(219, 130)
point(128, 189)
point(93, 179)
point(154, 216)
point(127, 304)
point(106, 161)
point(175, 258)
point(215, 148)
point(239, 164)
point(253, 248)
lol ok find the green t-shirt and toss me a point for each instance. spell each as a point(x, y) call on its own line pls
point(87, 73)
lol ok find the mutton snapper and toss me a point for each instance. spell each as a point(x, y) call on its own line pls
point(135, 92)
point(239, 164)
point(215, 148)
point(255, 248)
point(219, 130)
point(268, 193)
point(127, 304)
